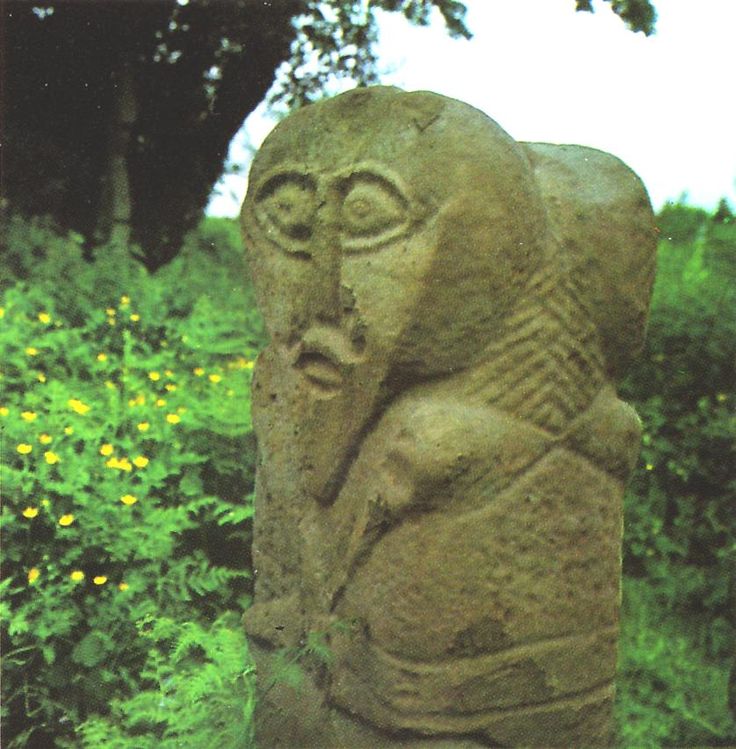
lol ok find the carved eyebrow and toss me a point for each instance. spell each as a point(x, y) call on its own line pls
point(375, 173)
point(272, 183)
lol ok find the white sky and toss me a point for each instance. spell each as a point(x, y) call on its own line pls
point(665, 104)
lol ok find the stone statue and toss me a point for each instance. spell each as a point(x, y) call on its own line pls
point(442, 454)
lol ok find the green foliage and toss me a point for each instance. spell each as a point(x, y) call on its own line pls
point(197, 690)
point(670, 693)
point(679, 224)
point(314, 654)
point(128, 464)
point(680, 526)
point(680, 498)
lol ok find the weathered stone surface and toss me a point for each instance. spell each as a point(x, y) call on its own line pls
point(442, 454)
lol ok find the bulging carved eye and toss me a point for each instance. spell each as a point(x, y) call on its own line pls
point(286, 207)
point(369, 208)
point(373, 211)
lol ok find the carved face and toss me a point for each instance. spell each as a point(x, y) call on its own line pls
point(392, 218)
point(388, 235)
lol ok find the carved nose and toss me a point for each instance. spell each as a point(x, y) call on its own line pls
point(327, 266)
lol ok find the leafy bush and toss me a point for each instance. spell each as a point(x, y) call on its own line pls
point(128, 466)
point(200, 692)
point(680, 501)
point(669, 692)
point(679, 223)
point(680, 532)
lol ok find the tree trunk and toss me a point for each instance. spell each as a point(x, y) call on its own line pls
point(116, 214)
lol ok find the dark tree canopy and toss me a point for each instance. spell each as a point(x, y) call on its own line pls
point(118, 114)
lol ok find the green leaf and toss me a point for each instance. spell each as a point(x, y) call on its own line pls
point(91, 649)
point(191, 484)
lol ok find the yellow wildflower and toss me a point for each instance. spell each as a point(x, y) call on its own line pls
point(140, 399)
point(4, 410)
point(101, 357)
point(215, 378)
point(143, 426)
point(128, 499)
point(68, 430)
point(131, 402)
point(169, 373)
point(141, 461)
point(78, 406)
point(124, 300)
point(2, 311)
point(198, 371)
point(66, 520)
point(44, 317)
point(240, 363)
point(649, 467)
point(24, 449)
point(33, 574)
point(135, 317)
point(170, 387)
point(173, 418)
point(122, 464)
point(110, 321)
point(110, 385)
point(154, 376)
point(51, 457)
point(32, 351)
point(28, 416)
point(45, 439)
point(77, 576)
point(123, 586)
point(160, 402)
point(45, 503)
point(107, 449)
point(99, 579)
point(720, 397)
point(30, 512)
point(110, 311)
point(41, 377)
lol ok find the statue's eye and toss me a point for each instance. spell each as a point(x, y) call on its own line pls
point(370, 208)
point(286, 207)
point(373, 211)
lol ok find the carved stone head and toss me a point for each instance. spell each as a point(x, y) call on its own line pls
point(389, 234)
point(381, 223)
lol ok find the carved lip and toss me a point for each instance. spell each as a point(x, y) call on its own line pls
point(320, 370)
point(325, 355)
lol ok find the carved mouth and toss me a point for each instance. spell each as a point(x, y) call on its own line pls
point(325, 356)
point(320, 370)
